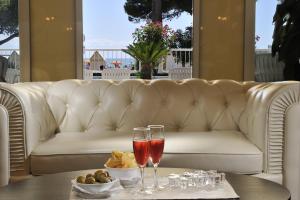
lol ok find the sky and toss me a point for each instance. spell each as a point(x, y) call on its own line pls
point(106, 25)
point(264, 27)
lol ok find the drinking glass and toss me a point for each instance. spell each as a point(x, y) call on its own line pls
point(157, 143)
point(141, 149)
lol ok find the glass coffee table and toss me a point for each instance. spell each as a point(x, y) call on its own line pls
point(58, 186)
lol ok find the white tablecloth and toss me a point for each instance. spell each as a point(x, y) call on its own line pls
point(221, 191)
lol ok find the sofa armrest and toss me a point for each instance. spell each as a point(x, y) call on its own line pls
point(271, 121)
point(263, 120)
point(4, 147)
point(291, 172)
point(30, 120)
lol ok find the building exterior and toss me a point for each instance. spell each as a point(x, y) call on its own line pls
point(14, 60)
point(96, 60)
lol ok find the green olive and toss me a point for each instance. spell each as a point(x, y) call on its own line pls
point(80, 179)
point(89, 175)
point(90, 180)
point(102, 179)
point(99, 177)
point(99, 172)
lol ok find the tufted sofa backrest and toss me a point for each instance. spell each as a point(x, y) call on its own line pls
point(190, 105)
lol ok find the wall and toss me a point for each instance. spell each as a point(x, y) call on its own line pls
point(219, 39)
point(52, 40)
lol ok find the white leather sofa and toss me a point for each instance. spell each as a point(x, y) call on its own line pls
point(246, 127)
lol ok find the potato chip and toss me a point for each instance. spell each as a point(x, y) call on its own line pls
point(117, 154)
point(121, 159)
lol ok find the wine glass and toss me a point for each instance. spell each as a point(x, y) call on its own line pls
point(141, 149)
point(157, 143)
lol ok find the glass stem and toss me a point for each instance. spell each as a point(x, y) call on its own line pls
point(142, 177)
point(155, 176)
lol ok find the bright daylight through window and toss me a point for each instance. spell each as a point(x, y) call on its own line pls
point(9, 42)
point(267, 67)
point(126, 39)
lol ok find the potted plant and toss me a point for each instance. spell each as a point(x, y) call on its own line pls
point(286, 37)
point(151, 43)
point(149, 54)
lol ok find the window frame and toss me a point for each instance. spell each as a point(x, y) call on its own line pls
point(24, 39)
point(249, 38)
point(24, 29)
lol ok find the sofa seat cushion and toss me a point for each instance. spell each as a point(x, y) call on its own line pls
point(221, 150)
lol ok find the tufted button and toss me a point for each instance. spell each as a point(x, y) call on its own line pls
point(84, 129)
point(164, 102)
point(114, 127)
point(130, 101)
point(226, 104)
point(67, 105)
point(208, 127)
point(195, 102)
point(178, 127)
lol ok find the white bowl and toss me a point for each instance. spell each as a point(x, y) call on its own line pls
point(129, 177)
point(123, 173)
point(94, 188)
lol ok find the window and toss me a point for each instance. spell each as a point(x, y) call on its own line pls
point(267, 68)
point(108, 27)
point(9, 42)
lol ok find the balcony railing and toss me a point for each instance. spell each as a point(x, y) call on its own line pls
point(267, 68)
point(95, 60)
point(7, 52)
point(113, 57)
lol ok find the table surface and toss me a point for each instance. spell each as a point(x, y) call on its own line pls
point(58, 186)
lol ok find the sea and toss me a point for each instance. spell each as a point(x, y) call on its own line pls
point(125, 62)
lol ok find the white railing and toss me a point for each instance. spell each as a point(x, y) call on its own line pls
point(180, 73)
point(95, 60)
point(267, 68)
point(181, 57)
point(109, 58)
point(116, 73)
point(7, 52)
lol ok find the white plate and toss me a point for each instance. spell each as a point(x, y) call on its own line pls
point(95, 188)
point(85, 195)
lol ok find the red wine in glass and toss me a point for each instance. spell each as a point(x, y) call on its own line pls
point(157, 143)
point(141, 150)
point(156, 150)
